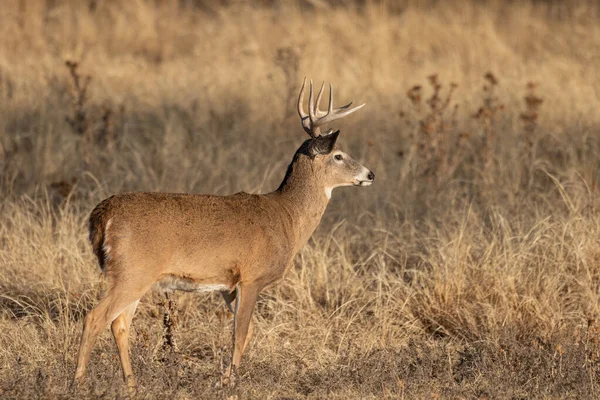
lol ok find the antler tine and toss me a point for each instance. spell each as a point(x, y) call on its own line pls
point(335, 110)
point(335, 115)
point(314, 127)
point(330, 108)
point(304, 119)
point(301, 100)
point(318, 102)
point(311, 104)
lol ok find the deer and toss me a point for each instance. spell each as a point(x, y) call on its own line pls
point(238, 244)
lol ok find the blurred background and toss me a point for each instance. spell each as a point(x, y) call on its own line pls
point(170, 95)
point(478, 240)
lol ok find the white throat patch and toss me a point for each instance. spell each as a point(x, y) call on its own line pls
point(329, 189)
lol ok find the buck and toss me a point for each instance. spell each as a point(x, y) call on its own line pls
point(237, 244)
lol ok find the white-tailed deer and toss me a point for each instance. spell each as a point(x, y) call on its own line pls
point(237, 244)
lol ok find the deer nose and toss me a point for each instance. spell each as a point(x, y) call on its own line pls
point(371, 176)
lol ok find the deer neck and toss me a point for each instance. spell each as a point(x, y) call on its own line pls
point(302, 194)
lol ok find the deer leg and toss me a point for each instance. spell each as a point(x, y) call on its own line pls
point(120, 329)
point(246, 296)
point(230, 301)
point(113, 304)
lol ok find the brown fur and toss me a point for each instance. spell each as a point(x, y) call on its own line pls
point(238, 244)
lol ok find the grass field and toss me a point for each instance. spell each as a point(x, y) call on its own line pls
point(470, 269)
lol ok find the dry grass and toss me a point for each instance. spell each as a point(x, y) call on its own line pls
point(471, 269)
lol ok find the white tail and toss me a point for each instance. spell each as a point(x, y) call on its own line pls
point(237, 244)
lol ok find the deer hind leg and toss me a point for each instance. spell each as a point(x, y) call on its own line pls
point(246, 296)
point(230, 301)
point(110, 307)
point(120, 329)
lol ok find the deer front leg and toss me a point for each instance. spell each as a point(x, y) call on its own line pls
point(247, 294)
point(230, 300)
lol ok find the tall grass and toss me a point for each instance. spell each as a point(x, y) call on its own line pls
point(470, 269)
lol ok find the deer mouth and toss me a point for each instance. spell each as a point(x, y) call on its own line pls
point(363, 183)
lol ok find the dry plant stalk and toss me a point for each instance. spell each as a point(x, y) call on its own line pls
point(435, 129)
point(486, 115)
point(106, 133)
point(170, 322)
point(92, 128)
point(288, 60)
point(79, 120)
point(529, 117)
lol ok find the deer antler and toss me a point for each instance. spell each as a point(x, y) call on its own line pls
point(316, 118)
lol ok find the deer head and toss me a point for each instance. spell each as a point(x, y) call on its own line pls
point(334, 167)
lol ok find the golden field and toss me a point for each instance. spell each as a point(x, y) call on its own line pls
point(470, 269)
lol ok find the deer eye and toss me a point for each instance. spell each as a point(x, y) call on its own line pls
point(338, 157)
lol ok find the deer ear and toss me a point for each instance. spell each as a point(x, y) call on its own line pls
point(323, 144)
